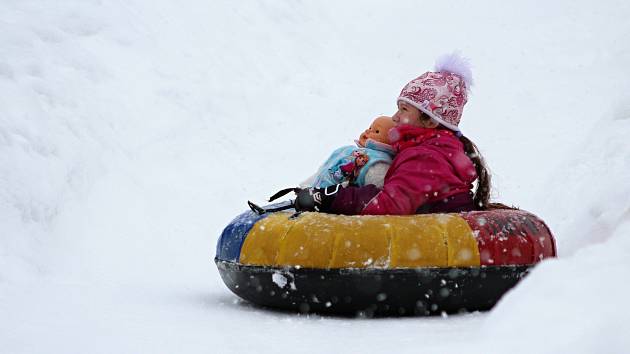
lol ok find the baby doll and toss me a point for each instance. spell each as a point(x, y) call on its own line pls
point(363, 164)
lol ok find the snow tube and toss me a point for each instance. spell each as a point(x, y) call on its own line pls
point(380, 265)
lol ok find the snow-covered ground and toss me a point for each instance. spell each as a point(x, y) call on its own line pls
point(131, 133)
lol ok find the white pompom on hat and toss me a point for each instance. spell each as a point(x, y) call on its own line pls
point(442, 93)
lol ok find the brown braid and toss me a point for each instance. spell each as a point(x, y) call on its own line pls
point(482, 193)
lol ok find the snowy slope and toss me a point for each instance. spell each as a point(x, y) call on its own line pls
point(131, 132)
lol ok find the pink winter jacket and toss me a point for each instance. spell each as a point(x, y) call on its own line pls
point(430, 167)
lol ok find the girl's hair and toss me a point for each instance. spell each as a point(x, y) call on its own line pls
point(481, 197)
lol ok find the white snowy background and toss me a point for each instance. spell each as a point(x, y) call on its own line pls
point(132, 132)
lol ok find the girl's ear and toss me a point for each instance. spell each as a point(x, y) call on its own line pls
point(432, 124)
point(427, 122)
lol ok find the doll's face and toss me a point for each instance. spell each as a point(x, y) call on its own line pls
point(377, 131)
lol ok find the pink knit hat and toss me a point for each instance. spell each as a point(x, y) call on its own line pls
point(441, 94)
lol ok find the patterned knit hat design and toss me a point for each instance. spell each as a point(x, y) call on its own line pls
point(441, 94)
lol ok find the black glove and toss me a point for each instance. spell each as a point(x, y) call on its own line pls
point(309, 199)
point(315, 199)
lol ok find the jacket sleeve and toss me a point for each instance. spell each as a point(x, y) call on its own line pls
point(416, 176)
point(352, 200)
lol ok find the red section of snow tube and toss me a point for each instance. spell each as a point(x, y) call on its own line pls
point(510, 237)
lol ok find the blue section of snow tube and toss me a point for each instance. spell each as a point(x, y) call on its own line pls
point(232, 237)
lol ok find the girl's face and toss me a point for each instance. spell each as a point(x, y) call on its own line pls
point(407, 114)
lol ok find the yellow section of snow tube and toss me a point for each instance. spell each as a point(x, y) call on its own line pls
point(326, 241)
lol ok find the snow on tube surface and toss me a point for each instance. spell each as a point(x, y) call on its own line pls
point(380, 265)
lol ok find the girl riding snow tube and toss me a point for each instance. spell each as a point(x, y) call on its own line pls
point(426, 242)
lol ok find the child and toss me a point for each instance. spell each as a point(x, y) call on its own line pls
point(360, 165)
point(435, 164)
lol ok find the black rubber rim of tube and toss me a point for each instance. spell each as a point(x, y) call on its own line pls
point(372, 292)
